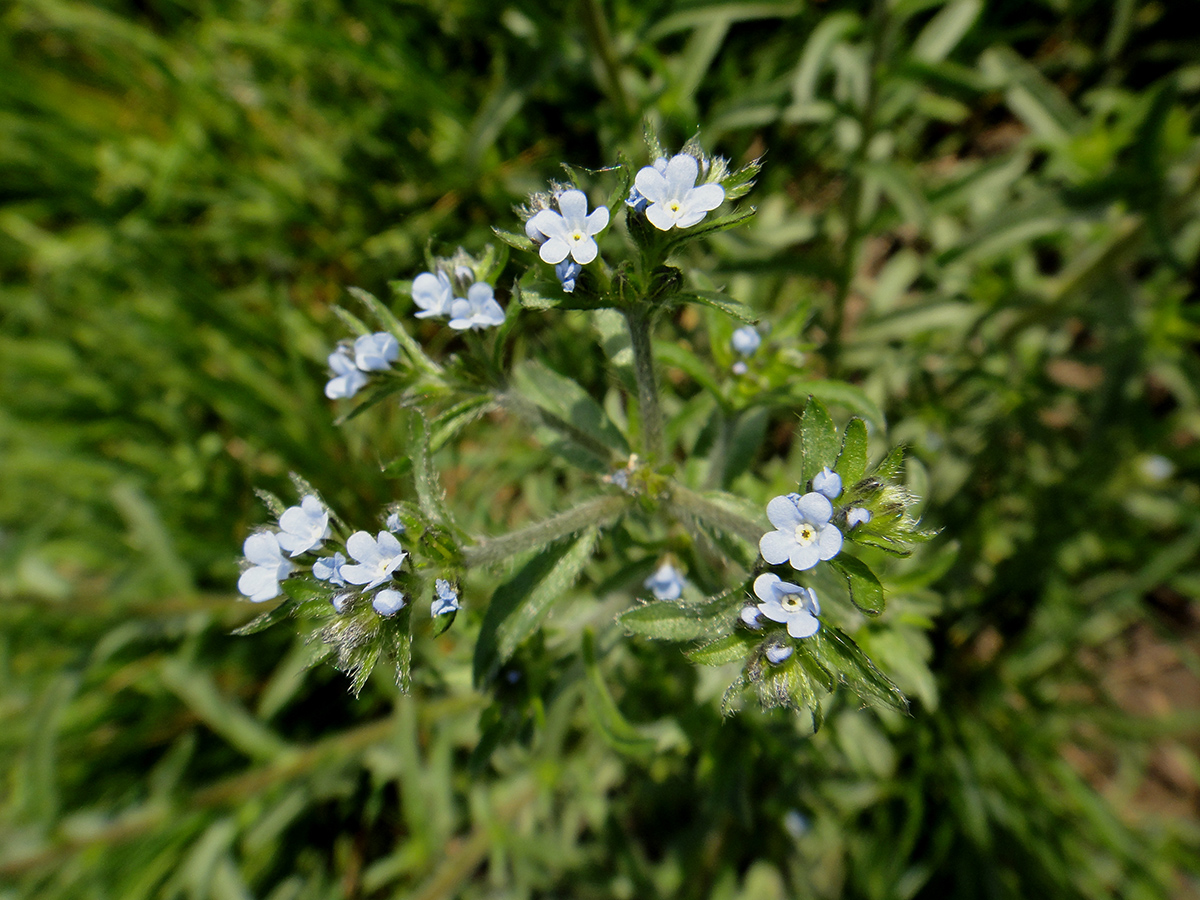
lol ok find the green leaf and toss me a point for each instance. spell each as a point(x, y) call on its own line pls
point(389, 321)
point(541, 296)
point(838, 653)
point(865, 590)
point(852, 461)
point(267, 619)
point(520, 604)
point(723, 223)
point(614, 728)
point(721, 302)
point(841, 394)
point(312, 599)
point(515, 240)
point(734, 647)
point(668, 353)
point(450, 422)
point(944, 31)
point(566, 400)
point(680, 621)
point(351, 321)
point(430, 496)
point(397, 644)
point(818, 440)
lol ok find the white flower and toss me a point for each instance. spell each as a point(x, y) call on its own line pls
point(329, 568)
point(388, 602)
point(347, 380)
point(788, 604)
point(479, 310)
point(304, 527)
point(446, 600)
point(377, 558)
point(857, 516)
point(261, 581)
point(570, 231)
point(746, 340)
point(828, 482)
point(804, 535)
point(666, 583)
point(433, 293)
point(675, 200)
point(376, 352)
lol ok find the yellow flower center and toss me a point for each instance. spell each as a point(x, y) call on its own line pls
point(805, 534)
point(673, 206)
point(791, 602)
point(577, 236)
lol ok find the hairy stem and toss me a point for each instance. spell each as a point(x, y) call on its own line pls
point(643, 368)
point(599, 511)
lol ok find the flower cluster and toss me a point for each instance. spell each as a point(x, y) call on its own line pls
point(437, 295)
point(367, 569)
point(350, 366)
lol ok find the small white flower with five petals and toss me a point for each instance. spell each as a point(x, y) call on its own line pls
point(569, 232)
point(377, 558)
point(261, 581)
point(789, 604)
point(675, 199)
point(804, 536)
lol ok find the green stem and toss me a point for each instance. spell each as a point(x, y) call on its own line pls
point(599, 511)
point(854, 194)
point(596, 29)
point(643, 368)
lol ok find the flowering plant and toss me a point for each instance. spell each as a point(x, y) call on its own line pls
point(662, 514)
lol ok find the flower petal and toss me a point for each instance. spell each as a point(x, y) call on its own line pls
point(651, 184)
point(362, 546)
point(705, 197)
point(774, 611)
point(555, 250)
point(688, 218)
point(681, 174)
point(548, 223)
point(803, 626)
point(262, 549)
point(660, 217)
point(479, 293)
point(776, 546)
point(764, 586)
point(259, 584)
point(815, 508)
point(804, 557)
point(584, 251)
point(783, 513)
point(830, 542)
point(597, 221)
point(573, 206)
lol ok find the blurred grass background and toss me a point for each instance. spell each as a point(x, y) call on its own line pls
point(987, 214)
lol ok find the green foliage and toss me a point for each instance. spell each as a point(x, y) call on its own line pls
point(976, 228)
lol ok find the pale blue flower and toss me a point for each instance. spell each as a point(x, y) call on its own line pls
point(675, 200)
point(388, 602)
point(376, 352)
point(666, 583)
point(329, 568)
point(261, 581)
point(479, 310)
point(828, 482)
point(304, 527)
point(394, 524)
point(789, 604)
point(433, 293)
point(777, 653)
point(569, 232)
point(635, 198)
point(446, 600)
point(796, 823)
point(751, 617)
point(377, 558)
point(347, 380)
point(804, 536)
point(739, 368)
point(857, 516)
point(746, 340)
point(566, 272)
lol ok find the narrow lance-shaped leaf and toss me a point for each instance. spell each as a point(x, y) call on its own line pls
point(838, 653)
point(865, 590)
point(520, 604)
point(614, 728)
point(681, 621)
point(731, 648)
point(852, 461)
point(818, 440)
